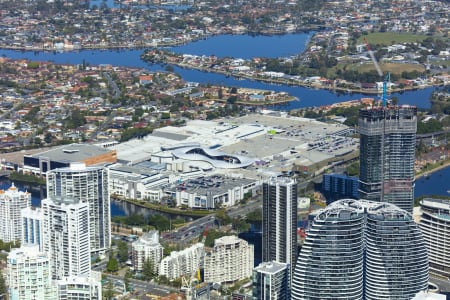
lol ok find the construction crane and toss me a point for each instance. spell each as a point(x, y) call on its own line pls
point(380, 73)
point(189, 284)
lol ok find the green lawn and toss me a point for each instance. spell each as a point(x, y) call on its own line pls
point(391, 68)
point(388, 67)
point(390, 38)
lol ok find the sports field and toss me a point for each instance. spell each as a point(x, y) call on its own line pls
point(390, 38)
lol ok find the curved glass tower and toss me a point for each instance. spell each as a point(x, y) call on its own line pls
point(330, 264)
point(396, 254)
point(435, 227)
point(361, 250)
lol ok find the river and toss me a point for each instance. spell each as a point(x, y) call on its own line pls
point(238, 46)
point(435, 184)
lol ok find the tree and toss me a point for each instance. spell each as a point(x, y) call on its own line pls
point(122, 248)
point(353, 169)
point(76, 119)
point(126, 280)
point(37, 141)
point(3, 289)
point(148, 270)
point(254, 216)
point(48, 138)
point(112, 265)
point(159, 222)
point(222, 217)
point(108, 294)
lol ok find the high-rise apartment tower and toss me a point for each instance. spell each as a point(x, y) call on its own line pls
point(361, 250)
point(271, 281)
point(87, 185)
point(387, 154)
point(66, 237)
point(12, 201)
point(279, 241)
point(435, 226)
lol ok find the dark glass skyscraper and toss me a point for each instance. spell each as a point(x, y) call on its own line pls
point(279, 242)
point(387, 154)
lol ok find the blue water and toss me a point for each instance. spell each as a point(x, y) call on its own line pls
point(115, 4)
point(437, 183)
point(243, 46)
point(246, 46)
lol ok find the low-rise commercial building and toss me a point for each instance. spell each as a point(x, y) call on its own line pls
point(136, 182)
point(212, 192)
point(80, 288)
point(63, 156)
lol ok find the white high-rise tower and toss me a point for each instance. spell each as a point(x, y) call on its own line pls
point(87, 185)
point(279, 242)
point(66, 236)
point(12, 201)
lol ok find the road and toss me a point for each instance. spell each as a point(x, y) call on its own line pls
point(145, 286)
point(443, 284)
point(192, 230)
point(242, 211)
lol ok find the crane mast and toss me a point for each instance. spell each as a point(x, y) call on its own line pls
point(380, 73)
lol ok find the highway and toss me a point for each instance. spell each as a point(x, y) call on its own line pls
point(196, 228)
point(191, 231)
point(144, 286)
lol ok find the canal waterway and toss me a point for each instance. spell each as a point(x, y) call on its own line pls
point(238, 46)
point(436, 183)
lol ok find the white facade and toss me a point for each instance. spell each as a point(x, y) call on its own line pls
point(136, 183)
point(279, 242)
point(271, 281)
point(28, 275)
point(66, 237)
point(194, 199)
point(79, 288)
point(179, 263)
point(212, 193)
point(435, 227)
point(147, 248)
point(12, 201)
point(87, 185)
point(32, 227)
point(230, 260)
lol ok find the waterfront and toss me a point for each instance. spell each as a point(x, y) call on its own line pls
point(292, 44)
point(436, 183)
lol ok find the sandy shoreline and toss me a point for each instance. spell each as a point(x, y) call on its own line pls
point(445, 165)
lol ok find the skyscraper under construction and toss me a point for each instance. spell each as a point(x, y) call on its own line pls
point(387, 154)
